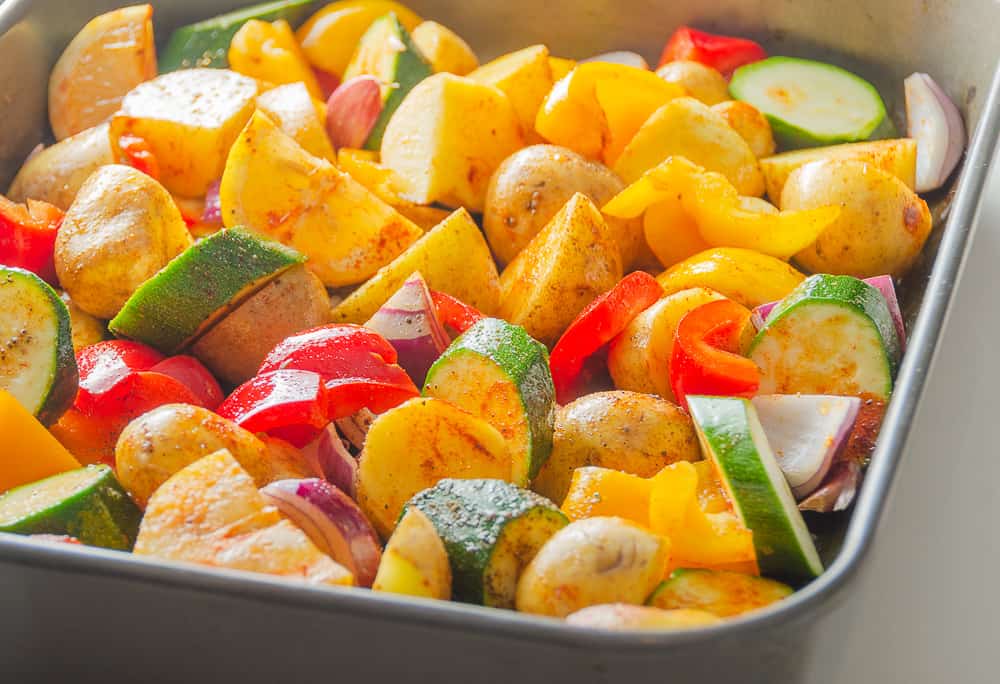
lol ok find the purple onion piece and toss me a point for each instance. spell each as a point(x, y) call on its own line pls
point(632, 59)
point(212, 213)
point(935, 123)
point(333, 460)
point(839, 490)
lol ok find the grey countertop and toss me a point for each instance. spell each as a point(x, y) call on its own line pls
point(926, 609)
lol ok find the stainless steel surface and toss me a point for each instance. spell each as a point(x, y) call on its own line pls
point(164, 622)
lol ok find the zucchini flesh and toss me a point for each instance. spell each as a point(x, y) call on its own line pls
point(388, 53)
point(206, 43)
point(733, 439)
point(499, 373)
point(491, 530)
point(831, 335)
point(719, 592)
point(199, 286)
point(37, 363)
point(810, 103)
point(87, 503)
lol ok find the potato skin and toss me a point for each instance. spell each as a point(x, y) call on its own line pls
point(55, 174)
point(591, 562)
point(121, 229)
point(161, 442)
point(533, 184)
point(702, 82)
point(628, 431)
point(751, 124)
point(882, 226)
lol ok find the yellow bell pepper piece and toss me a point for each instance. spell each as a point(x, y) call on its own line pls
point(30, 453)
point(560, 66)
point(269, 52)
point(723, 218)
point(597, 491)
point(597, 108)
point(330, 36)
point(687, 505)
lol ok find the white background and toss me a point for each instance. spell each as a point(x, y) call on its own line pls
point(928, 607)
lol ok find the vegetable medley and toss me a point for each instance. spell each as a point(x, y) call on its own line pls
point(326, 298)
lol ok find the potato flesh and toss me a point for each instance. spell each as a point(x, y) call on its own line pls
point(444, 49)
point(685, 127)
point(591, 562)
point(569, 263)
point(122, 228)
point(752, 126)
point(190, 119)
point(447, 138)
point(415, 562)
point(526, 77)
point(442, 441)
point(294, 111)
point(211, 513)
point(627, 431)
point(113, 53)
point(703, 83)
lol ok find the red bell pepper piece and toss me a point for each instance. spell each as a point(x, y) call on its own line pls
point(597, 325)
point(192, 374)
point(138, 154)
point(28, 236)
point(289, 404)
point(453, 313)
point(705, 358)
point(358, 367)
point(328, 82)
point(722, 53)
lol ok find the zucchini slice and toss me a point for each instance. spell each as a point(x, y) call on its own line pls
point(199, 286)
point(37, 364)
point(491, 530)
point(810, 103)
point(87, 503)
point(498, 372)
point(206, 43)
point(732, 438)
point(830, 335)
point(719, 592)
point(388, 53)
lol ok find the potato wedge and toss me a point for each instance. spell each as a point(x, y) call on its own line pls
point(526, 77)
point(752, 126)
point(898, 157)
point(452, 257)
point(703, 83)
point(112, 54)
point(569, 263)
point(590, 562)
point(86, 329)
point(211, 513)
point(161, 442)
point(614, 616)
point(415, 562)
point(627, 431)
point(441, 441)
point(121, 229)
point(639, 357)
point(268, 52)
point(275, 187)
point(293, 110)
point(882, 225)
point(55, 174)
point(234, 348)
point(534, 183)
point(444, 49)
point(447, 138)
point(745, 276)
point(685, 127)
point(190, 118)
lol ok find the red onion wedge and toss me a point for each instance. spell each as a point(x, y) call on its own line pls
point(882, 283)
point(806, 431)
point(621, 57)
point(352, 110)
point(212, 213)
point(837, 493)
point(355, 427)
point(332, 521)
point(409, 322)
point(333, 460)
point(934, 121)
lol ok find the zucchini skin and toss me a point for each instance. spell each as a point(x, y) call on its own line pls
point(470, 516)
point(525, 361)
point(66, 379)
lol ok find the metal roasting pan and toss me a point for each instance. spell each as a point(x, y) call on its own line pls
point(71, 614)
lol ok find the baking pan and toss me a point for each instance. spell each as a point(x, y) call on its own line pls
point(94, 615)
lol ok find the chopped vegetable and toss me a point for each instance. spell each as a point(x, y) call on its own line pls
point(935, 123)
point(28, 236)
point(353, 110)
point(622, 616)
point(444, 49)
point(267, 51)
point(526, 77)
point(717, 592)
point(415, 562)
point(722, 53)
point(455, 314)
point(625, 57)
point(290, 404)
point(31, 452)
